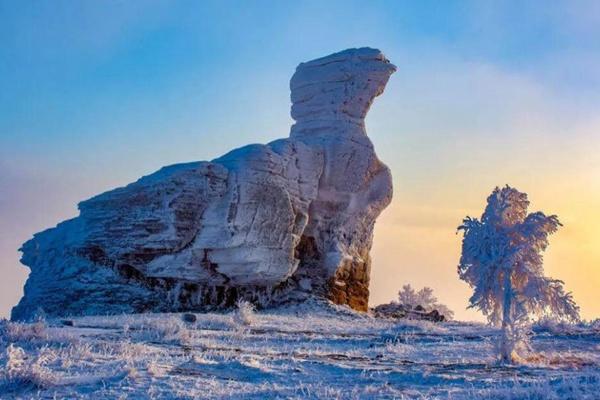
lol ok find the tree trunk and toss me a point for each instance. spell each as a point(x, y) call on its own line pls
point(507, 343)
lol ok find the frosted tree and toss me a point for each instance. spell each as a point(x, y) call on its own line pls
point(502, 261)
point(407, 296)
point(410, 298)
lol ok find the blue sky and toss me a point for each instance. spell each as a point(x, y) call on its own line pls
point(95, 94)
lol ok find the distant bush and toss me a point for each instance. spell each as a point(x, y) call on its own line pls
point(245, 313)
point(424, 299)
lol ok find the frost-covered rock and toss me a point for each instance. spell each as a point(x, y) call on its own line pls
point(398, 311)
point(269, 223)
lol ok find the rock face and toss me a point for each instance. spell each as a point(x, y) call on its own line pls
point(270, 223)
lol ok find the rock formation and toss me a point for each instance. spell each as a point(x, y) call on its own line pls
point(287, 220)
point(399, 311)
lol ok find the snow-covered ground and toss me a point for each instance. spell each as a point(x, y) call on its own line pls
point(306, 351)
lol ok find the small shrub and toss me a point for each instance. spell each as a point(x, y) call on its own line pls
point(170, 329)
point(24, 332)
point(245, 313)
point(22, 370)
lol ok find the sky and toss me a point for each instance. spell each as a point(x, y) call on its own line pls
point(95, 94)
